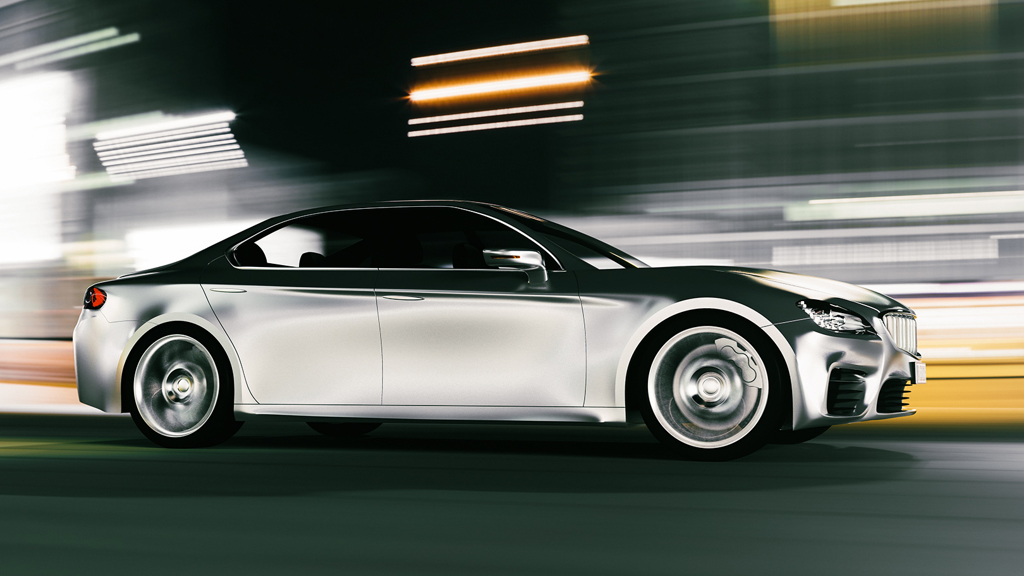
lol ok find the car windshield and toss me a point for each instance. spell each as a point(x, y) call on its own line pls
point(590, 250)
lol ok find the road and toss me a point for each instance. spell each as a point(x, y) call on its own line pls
point(88, 495)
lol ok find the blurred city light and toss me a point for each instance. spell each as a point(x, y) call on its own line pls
point(502, 50)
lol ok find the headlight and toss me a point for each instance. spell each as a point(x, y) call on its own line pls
point(834, 318)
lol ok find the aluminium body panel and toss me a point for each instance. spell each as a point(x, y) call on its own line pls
point(481, 337)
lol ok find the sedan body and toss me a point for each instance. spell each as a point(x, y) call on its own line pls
point(350, 316)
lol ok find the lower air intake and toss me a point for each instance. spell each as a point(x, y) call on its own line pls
point(892, 398)
point(846, 390)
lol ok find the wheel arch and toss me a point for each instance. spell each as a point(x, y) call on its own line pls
point(190, 322)
point(629, 369)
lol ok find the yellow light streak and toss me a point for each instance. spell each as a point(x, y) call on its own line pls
point(500, 86)
point(499, 112)
point(495, 125)
point(502, 50)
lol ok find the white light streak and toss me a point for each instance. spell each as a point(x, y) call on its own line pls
point(502, 50)
point(190, 169)
point(876, 252)
point(71, 42)
point(500, 86)
point(150, 247)
point(150, 156)
point(171, 135)
point(166, 146)
point(917, 197)
point(175, 162)
point(79, 51)
point(500, 112)
point(496, 125)
point(957, 288)
point(217, 117)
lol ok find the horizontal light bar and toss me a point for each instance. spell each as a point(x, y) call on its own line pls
point(206, 150)
point(71, 42)
point(918, 206)
point(913, 197)
point(875, 252)
point(169, 125)
point(189, 169)
point(957, 288)
point(167, 146)
point(500, 86)
point(841, 3)
point(500, 112)
point(176, 162)
point(495, 125)
point(163, 136)
point(79, 51)
point(502, 50)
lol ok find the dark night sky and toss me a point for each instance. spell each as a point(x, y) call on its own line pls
point(327, 80)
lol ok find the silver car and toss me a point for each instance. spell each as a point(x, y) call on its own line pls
point(350, 316)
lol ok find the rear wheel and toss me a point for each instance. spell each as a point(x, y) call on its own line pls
point(181, 392)
point(344, 429)
point(713, 391)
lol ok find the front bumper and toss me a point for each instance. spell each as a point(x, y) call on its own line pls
point(98, 347)
point(873, 361)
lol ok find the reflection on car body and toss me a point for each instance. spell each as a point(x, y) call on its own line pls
point(350, 316)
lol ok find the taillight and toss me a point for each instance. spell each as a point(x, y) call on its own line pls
point(94, 298)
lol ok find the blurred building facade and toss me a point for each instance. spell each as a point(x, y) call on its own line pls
point(872, 142)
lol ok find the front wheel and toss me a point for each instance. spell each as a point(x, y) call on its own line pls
point(713, 392)
point(181, 392)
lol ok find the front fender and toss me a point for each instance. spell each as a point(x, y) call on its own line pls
point(710, 304)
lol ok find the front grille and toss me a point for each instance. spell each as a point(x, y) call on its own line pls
point(845, 392)
point(891, 397)
point(902, 326)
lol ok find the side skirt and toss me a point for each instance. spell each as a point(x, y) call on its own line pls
point(377, 413)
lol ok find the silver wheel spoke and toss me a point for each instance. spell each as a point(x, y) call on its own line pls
point(176, 385)
point(708, 387)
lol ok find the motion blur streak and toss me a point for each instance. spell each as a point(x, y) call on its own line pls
point(79, 51)
point(496, 125)
point(502, 50)
point(500, 112)
point(170, 147)
point(42, 49)
point(500, 86)
point(214, 118)
point(218, 128)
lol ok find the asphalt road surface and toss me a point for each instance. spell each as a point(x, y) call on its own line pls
point(88, 495)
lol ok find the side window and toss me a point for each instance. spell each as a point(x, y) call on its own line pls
point(439, 237)
point(332, 240)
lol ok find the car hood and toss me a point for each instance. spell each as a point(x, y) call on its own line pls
point(819, 288)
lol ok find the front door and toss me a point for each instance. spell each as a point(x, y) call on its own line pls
point(457, 333)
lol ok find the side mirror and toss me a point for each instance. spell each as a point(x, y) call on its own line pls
point(526, 260)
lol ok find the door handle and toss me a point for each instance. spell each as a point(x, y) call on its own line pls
point(401, 297)
point(228, 290)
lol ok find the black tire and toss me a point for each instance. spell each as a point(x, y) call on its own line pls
point(171, 348)
point(344, 429)
point(712, 354)
point(798, 436)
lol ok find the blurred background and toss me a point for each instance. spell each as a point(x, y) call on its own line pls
point(875, 142)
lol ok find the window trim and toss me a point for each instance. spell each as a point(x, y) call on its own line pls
point(229, 254)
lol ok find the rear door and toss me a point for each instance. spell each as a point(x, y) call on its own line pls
point(299, 307)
